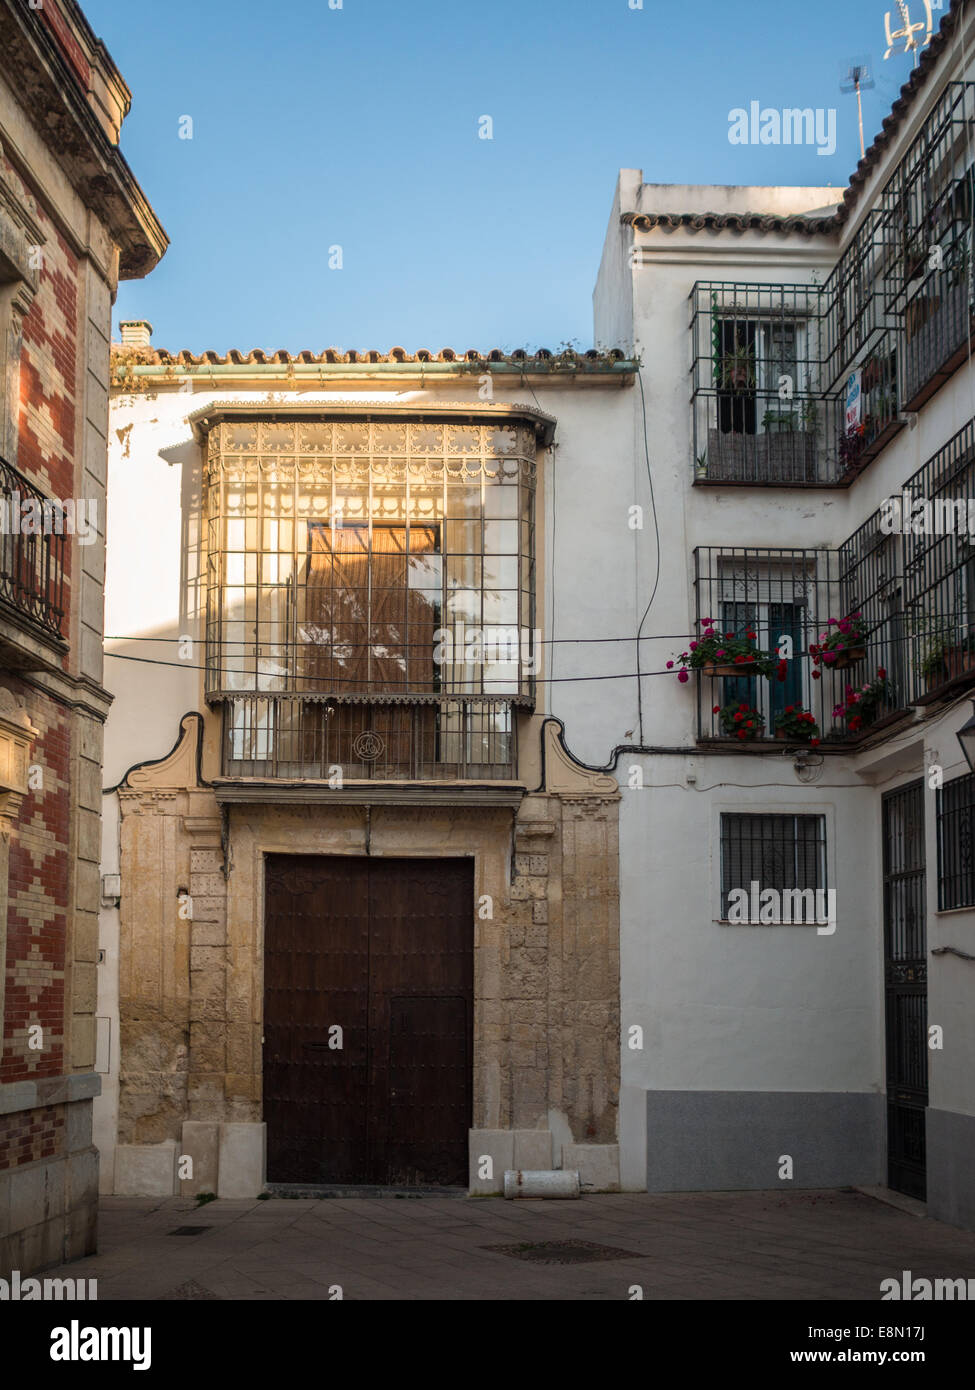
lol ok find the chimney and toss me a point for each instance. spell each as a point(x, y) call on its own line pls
point(136, 333)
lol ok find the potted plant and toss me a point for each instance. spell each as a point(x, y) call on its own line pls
point(722, 654)
point(959, 657)
point(861, 704)
point(844, 643)
point(933, 667)
point(740, 720)
point(781, 420)
point(852, 444)
point(738, 368)
point(796, 723)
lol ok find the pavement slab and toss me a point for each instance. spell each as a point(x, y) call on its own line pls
point(685, 1246)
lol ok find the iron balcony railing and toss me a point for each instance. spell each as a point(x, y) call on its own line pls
point(908, 571)
point(771, 362)
point(293, 737)
point(938, 547)
point(787, 597)
point(32, 551)
point(759, 415)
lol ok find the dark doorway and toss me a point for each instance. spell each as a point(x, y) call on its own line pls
point(905, 988)
point(384, 950)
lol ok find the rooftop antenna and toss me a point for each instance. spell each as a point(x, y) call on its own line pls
point(857, 78)
point(910, 31)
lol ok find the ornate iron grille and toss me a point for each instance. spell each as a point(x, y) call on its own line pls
point(358, 557)
point(905, 980)
point(774, 851)
point(281, 736)
point(956, 864)
point(31, 566)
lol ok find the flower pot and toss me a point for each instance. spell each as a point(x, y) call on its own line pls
point(848, 657)
point(721, 668)
point(958, 661)
point(783, 734)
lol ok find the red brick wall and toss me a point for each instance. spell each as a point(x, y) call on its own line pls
point(28, 1135)
point(37, 900)
point(38, 890)
point(49, 409)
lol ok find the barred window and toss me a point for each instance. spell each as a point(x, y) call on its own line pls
point(775, 851)
point(365, 558)
point(956, 867)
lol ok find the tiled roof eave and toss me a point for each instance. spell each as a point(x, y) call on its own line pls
point(732, 221)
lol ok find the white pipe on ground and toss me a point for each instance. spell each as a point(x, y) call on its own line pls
point(542, 1182)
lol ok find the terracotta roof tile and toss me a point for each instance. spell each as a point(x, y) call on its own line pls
point(590, 359)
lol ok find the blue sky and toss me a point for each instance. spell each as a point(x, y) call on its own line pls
point(358, 127)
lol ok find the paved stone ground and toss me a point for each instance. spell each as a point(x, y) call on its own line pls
point(764, 1245)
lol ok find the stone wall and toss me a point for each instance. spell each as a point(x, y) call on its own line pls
point(546, 964)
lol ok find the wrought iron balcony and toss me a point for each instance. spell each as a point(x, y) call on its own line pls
point(32, 553)
point(937, 329)
point(787, 597)
point(317, 738)
point(938, 563)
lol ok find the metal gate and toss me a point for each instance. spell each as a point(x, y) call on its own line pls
point(368, 1019)
point(906, 987)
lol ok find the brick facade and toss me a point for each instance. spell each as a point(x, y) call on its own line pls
point(71, 218)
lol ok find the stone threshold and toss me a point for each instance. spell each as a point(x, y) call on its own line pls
point(325, 1190)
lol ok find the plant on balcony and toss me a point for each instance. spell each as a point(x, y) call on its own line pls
point(794, 722)
point(781, 420)
point(841, 647)
point(737, 370)
point(740, 720)
point(722, 654)
point(959, 657)
point(933, 666)
point(861, 704)
point(810, 417)
point(852, 444)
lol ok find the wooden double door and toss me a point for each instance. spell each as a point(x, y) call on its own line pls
point(368, 1019)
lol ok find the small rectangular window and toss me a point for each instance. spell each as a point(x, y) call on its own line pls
point(775, 851)
point(956, 867)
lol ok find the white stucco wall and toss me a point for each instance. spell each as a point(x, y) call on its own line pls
point(743, 1008)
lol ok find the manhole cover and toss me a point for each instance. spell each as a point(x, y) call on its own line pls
point(189, 1230)
point(190, 1290)
point(563, 1252)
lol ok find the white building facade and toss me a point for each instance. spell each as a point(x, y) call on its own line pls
point(805, 356)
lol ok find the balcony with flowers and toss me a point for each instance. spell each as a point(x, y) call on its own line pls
point(770, 668)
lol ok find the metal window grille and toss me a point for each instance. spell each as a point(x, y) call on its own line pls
point(782, 852)
point(364, 558)
point(956, 863)
point(31, 565)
